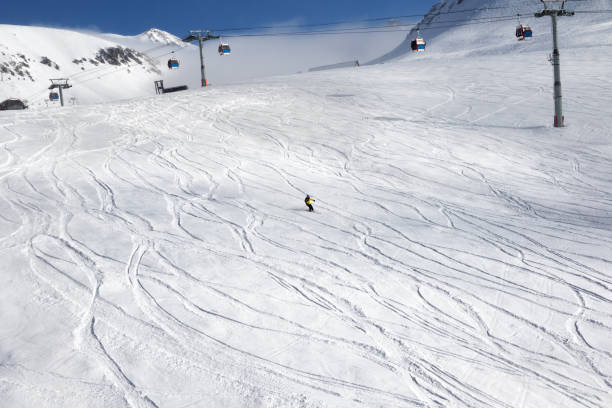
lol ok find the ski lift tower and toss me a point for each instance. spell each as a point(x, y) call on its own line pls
point(61, 84)
point(554, 13)
point(201, 36)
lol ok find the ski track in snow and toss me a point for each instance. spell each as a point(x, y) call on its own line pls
point(457, 256)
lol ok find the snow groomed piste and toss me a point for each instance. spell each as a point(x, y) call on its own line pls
point(158, 253)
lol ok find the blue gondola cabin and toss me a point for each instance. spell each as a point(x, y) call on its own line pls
point(53, 96)
point(418, 44)
point(523, 32)
point(224, 49)
point(173, 63)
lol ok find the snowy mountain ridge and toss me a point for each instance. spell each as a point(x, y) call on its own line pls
point(99, 68)
point(156, 35)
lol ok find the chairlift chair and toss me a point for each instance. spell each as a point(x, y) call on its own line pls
point(53, 96)
point(224, 49)
point(173, 63)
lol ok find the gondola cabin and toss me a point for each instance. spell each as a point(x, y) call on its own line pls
point(523, 32)
point(53, 96)
point(224, 49)
point(418, 44)
point(173, 63)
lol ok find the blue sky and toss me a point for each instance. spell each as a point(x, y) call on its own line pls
point(130, 17)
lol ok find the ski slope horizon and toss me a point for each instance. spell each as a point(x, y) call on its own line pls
point(157, 251)
point(24, 48)
point(447, 28)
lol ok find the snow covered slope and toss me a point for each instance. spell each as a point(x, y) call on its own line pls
point(158, 253)
point(477, 27)
point(99, 69)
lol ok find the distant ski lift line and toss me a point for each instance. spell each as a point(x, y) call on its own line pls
point(441, 24)
point(368, 30)
point(220, 30)
point(394, 28)
point(424, 27)
point(390, 29)
point(325, 32)
point(350, 21)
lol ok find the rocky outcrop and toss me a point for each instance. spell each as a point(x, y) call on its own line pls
point(17, 67)
point(118, 56)
point(49, 63)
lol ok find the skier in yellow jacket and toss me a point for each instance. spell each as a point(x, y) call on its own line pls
point(309, 200)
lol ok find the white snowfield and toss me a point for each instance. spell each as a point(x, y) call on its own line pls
point(158, 252)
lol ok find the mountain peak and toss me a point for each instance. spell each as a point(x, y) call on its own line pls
point(162, 37)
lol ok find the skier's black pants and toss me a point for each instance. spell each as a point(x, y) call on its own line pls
point(310, 207)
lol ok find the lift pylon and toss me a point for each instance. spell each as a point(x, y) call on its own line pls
point(201, 36)
point(61, 84)
point(556, 62)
